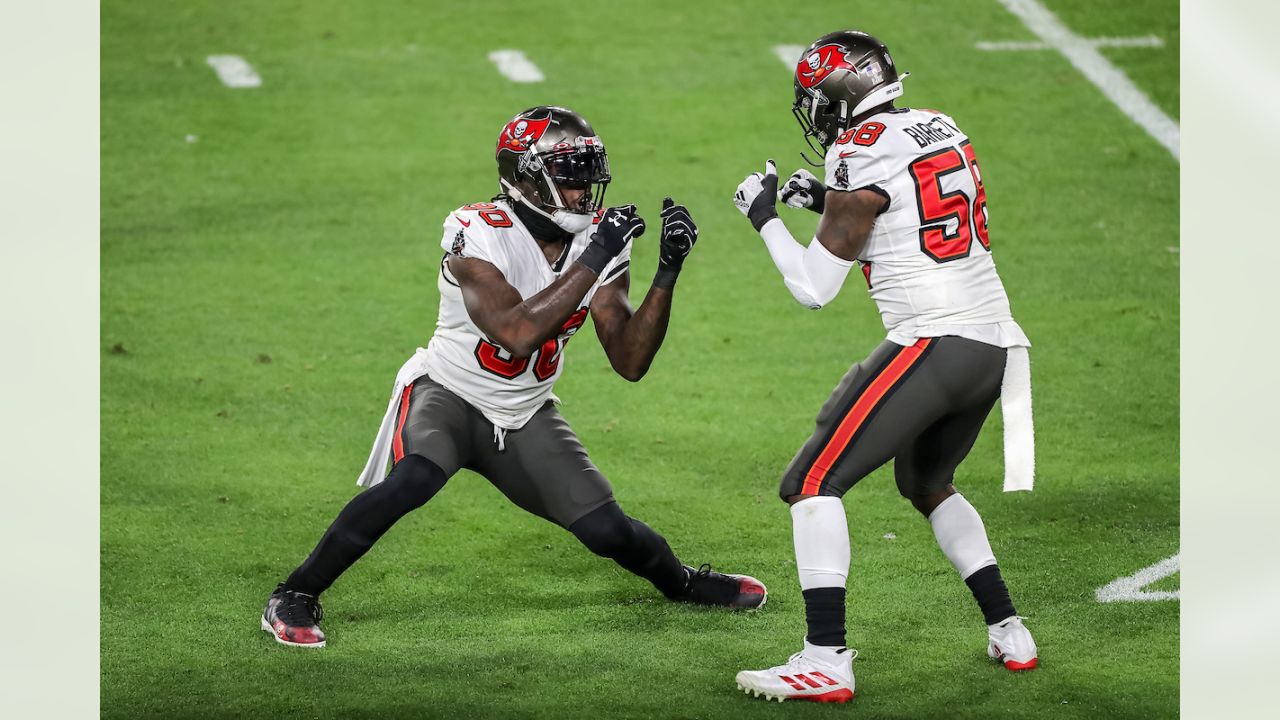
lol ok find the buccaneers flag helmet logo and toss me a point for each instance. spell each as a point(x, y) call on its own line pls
point(521, 133)
point(816, 66)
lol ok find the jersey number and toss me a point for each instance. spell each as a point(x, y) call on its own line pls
point(865, 134)
point(939, 209)
point(491, 356)
point(492, 216)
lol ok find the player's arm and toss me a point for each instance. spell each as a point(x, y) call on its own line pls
point(813, 274)
point(522, 325)
point(631, 338)
point(847, 221)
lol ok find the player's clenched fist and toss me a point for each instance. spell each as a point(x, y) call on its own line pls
point(757, 195)
point(679, 233)
point(619, 226)
point(804, 190)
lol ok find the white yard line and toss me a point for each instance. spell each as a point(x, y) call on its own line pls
point(1011, 45)
point(234, 71)
point(1144, 41)
point(516, 67)
point(788, 54)
point(1086, 58)
point(1129, 588)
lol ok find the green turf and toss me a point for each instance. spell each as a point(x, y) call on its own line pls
point(261, 285)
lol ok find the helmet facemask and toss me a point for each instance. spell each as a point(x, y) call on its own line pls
point(582, 167)
point(821, 122)
point(544, 176)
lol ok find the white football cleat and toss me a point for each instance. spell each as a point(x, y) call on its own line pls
point(806, 676)
point(1010, 642)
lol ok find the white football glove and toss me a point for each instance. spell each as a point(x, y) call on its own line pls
point(803, 190)
point(757, 194)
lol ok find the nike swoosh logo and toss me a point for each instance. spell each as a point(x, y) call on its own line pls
point(464, 222)
point(851, 153)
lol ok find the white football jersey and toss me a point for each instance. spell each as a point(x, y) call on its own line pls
point(508, 390)
point(928, 261)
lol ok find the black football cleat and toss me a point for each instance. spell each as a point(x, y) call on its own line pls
point(292, 618)
point(707, 587)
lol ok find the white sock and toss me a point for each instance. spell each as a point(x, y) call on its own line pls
point(961, 535)
point(821, 536)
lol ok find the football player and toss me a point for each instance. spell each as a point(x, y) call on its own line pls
point(519, 277)
point(902, 197)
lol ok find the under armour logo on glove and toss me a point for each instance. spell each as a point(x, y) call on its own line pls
point(620, 226)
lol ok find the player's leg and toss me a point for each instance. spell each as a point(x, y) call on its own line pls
point(544, 469)
point(924, 472)
point(431, 445)
point(879, 405)
point(610, 533)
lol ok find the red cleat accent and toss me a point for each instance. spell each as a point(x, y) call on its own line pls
point(297, 635)
point(843, 695)
point(1017, 666)
point(750, 586)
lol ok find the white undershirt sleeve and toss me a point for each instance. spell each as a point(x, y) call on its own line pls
point(813, 274)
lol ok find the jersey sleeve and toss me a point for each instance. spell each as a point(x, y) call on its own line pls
point(854, 166)
point(466, 235)
point(616, 266)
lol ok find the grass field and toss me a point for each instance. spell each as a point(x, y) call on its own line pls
point(269, 260)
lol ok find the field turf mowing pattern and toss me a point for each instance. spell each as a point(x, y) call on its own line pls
point(262, 284)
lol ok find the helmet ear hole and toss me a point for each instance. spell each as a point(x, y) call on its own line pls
point(527, 189)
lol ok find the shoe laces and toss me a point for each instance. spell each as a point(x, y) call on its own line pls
point(793, 661)
point(299, 609)
point(704, 584)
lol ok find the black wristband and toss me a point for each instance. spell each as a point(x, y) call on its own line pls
point(819, 202)
point(666, 276)
point(759, 217)
point(595, 258)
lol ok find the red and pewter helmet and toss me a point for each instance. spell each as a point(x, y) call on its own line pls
point(546, 148)
point(842, 75)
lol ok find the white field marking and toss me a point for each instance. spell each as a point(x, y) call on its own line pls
point(234, 71)
point(788, 54)
point(1145, 41)
point(1129, 588)
point(516, 67)
point(1086, 58)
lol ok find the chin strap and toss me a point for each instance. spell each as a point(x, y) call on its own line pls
point(539, 223)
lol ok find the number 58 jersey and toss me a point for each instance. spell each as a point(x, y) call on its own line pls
point(928, 261)
point(506, 389)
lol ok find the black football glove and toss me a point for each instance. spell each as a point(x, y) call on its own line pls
point(678, 237)
point(619, 226)
point(758, 195)
point(804, 190)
